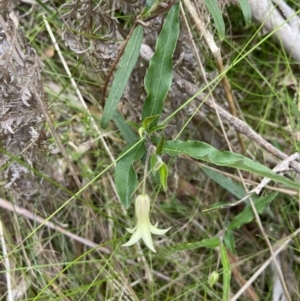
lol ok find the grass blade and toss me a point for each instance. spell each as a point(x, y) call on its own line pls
point(127, 133)
point(216, 14)
point(126, 65)
point(158, 78)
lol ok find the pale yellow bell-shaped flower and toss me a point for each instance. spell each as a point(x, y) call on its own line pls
point(144, 228)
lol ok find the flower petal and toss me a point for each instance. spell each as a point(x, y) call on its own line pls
point(131, 230)
point(135, 237)
point(147, 238)
point(157, 231)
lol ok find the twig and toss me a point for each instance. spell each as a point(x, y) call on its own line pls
point(279, 168)
point(161, 11)
point(281, 20)
point(40, 220)
point(240, 279)
point(282, 244)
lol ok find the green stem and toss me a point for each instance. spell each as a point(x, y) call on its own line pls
point(146, 168)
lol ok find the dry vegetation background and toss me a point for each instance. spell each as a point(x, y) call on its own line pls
point(62, 223)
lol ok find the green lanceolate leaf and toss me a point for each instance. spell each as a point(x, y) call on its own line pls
point(133, 124)
point(216, 13)
point(125, 175)
point(205, 152)
point(158, 78)
point(127, 133)
point(247, 215)
point(245, 6)
point(147, 121)
point(126, 65)
point(226, 273)
point(234, 188)
point(160, 145)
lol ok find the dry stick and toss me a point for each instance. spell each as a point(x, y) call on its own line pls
point(161, 11)
point(282, 244)
point(239, 278)
point(279, 168)
point(287, 191)
point(218, 60)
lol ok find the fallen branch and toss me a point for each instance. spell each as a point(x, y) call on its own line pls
point(276, 16)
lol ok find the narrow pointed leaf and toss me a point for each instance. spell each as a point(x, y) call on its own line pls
point(157, 128)
point(153, 162)
point(125, 175)
point(160, 145)
point(147, 121)
point(158, 78)
point(234, 188)
point(126, 65)
point(206, 152)
point(247, 215)
point(132, 124)
point(216, 14)
point(127, 133)
point(245, 6)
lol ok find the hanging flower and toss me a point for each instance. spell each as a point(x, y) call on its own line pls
point(144, 228)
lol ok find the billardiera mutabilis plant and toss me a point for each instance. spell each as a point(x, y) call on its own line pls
point(144, 228)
